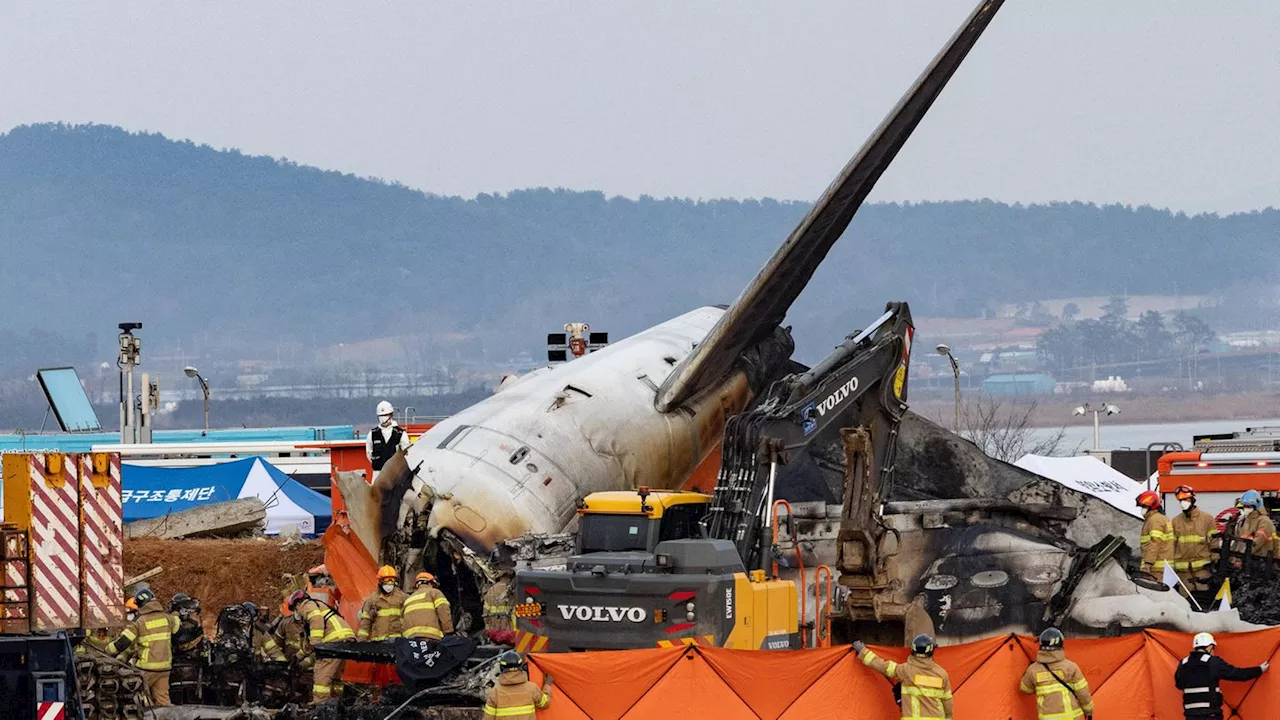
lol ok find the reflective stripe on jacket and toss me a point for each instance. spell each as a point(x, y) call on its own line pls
point(926, 687)
point(427, 614)
point(498, 611)
point(380, 616)
point(152, 633)
point(1197, 677)
point(1191, 532)
point(1157, 540)
point(324, 624)
point(1056, 700)
point(1258, 528)
point(515, 698)
point(265, 647)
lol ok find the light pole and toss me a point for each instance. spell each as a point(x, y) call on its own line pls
point(955, 371)
point(1097, 424)
point(204, 385)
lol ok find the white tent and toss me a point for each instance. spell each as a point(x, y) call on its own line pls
point(1088, 475)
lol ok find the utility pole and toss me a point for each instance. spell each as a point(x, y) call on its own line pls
point(1097, 423)
point(955, 372)
point(130, 355)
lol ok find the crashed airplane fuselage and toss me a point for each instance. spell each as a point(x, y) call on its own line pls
point(646, 411)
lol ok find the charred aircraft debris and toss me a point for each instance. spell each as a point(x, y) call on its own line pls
point(981, 547)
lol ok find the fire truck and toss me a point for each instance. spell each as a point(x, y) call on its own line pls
point(1219, 468)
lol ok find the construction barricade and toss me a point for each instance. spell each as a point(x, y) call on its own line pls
point(1131, 677)
point(68, 508)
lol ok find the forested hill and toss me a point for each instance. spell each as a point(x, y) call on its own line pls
point(100, 225)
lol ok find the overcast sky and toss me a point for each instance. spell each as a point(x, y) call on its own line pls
point(1174, 104)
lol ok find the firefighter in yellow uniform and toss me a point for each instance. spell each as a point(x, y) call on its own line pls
point(1254, 524)
point(514, 697)
point(925, 686)
point(1157, 535)
point(324, 625)
point(152, 631)
point(380, 617)
point(291, 638)
point(1061, 690)
point(1192, 530)
point(427, 613)
point(265, 647)
point(499, 617)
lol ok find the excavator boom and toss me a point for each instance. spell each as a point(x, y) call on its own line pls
point(846, 410)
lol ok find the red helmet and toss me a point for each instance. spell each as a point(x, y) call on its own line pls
point(1182, 492)
point(1149, 499)
point(297, 597)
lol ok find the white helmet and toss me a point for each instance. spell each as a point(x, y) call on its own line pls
point(1202, 640)
point(384, 409)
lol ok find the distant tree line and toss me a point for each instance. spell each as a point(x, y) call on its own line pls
point(239, 255)
point(1115, 339)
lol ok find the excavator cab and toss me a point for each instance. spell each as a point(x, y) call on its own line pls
point(637, 521)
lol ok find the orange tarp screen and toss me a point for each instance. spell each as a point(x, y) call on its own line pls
point(1131, 677)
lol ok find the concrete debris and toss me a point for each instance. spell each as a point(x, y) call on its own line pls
point(224, 519)
point(129, 582)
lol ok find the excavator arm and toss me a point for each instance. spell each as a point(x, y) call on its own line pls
point(845, 409)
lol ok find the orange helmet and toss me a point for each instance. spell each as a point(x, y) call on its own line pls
point(386, 571)
point(1182, 492)
point(1149, 499)
point(423, 578)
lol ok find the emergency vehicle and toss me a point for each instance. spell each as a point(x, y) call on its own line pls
point(1220, 468)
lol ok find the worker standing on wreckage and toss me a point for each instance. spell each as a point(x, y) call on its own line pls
point(1254, 525)
point(383, 441)
point(499, 613)
point(923, 684)
point(381, 615)
point(1157, 535)
point(152, 631)
point(427, 613)
point(324, 625)
point(1192, 530)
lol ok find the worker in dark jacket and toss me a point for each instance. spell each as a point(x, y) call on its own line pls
point(1198, 675)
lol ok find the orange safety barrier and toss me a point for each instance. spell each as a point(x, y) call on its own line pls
point(1131, 677)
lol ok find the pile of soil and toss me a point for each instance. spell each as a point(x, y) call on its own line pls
point(221, 572)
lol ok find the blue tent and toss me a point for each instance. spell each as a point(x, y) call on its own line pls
point(154, 491)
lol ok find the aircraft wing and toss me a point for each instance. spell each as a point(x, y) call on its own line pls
point(763, 305)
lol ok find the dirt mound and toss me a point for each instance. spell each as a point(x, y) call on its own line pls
point(220, 572)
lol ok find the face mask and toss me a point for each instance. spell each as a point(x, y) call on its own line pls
point(388, 587)
point(1244, 512)
point(1186, 504)
point(385, 421)
point(131, 616)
